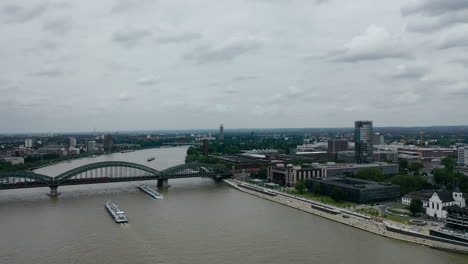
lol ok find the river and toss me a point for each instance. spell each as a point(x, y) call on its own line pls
point(199, 221)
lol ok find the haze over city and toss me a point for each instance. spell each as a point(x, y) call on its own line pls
point(139, 64)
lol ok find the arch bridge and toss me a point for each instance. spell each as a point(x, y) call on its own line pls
point(110, 171)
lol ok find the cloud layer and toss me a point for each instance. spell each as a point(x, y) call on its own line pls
point(175, 64)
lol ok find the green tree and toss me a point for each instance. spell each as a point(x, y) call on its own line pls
point(403, 164)
point(371, 174)
point(449, 163)
point(317, 188)
point(410, 183)
point(416, 166)
point(337, 195)
point(416, 206)
point(300, 187)
point(262, 174)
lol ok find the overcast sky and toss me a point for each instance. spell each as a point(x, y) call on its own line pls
point(171, 64)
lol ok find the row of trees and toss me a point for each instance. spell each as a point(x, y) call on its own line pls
point(408, 182)
point(336, 194)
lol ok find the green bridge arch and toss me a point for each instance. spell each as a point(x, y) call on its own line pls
point(194, 169)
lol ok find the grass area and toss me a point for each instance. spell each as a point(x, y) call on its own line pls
point(400, 206)
point(400, 219)
point(322, 199)
point(369, 211)
point(397, 212)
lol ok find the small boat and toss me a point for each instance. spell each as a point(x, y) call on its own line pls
point(118, 215)
point(150, 191)
point(151, 159)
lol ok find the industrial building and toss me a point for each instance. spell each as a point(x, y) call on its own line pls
point(356, 190)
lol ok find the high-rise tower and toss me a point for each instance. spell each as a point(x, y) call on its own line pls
point(221, 132)
point(363, 147)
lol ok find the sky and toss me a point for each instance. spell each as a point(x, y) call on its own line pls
point(72, 66)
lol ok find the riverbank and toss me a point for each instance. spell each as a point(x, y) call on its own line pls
point(383, 227)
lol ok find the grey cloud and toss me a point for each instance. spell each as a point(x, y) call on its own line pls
point(457, 37)
point(375, 43)
point(184, 37)
point(131, 37)
point(404, 71)
point(438, 23)
point(59, 26)
point(126, 5)
point(148, 81)
point(228, 52)
point(49, 71)
point(14, 13)
point(433, 7)
point(463, 62)
point(244, 78)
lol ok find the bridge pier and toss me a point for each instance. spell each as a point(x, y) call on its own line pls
point(163, 183)
point(53, 191)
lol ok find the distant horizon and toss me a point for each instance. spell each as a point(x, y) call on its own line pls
point(216, 129)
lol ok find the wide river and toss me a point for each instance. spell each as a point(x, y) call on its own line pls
point(199, 221)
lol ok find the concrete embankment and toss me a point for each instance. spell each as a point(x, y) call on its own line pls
point(381, 227)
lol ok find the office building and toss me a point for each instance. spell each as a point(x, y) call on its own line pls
point(108, 142)
point(363, 146)
point(385, 155)
point(221, 132)
point(378, 139)
point(72, 142)
point(346, 169)
point(288, 175)
point(335, 146)
point(346, 156)
point(425, 153)
point(356, 190)
point(463, 156)
point(90, 146)
point(28, 143)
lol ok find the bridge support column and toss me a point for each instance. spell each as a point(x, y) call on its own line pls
point(163, 183)
point(53, 191)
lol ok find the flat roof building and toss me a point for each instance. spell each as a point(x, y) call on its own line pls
point(356, 190)
point(288, 175)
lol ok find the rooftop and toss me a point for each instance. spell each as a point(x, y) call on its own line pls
point(354, 183)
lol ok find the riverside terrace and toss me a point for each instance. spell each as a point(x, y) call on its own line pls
point(356, 190)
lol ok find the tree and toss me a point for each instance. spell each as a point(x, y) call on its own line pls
point(403, 164)
point(416, 166)
point(410, 183)
point(337, 195)
point(449, 163)
point(317, 188)
point(262, 174)
point(416, 206)
point(300, 187)
point(371, 174)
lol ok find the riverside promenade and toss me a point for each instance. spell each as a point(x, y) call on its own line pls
point(379, 226)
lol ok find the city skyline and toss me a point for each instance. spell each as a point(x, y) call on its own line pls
point(334, 61)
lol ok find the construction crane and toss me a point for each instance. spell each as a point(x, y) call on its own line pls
point(420, 146)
